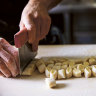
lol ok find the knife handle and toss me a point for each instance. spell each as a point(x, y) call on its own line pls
point(20, 38)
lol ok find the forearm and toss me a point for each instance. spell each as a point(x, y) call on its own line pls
point(48, 3)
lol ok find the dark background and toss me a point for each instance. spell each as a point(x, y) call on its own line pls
point(83, 24)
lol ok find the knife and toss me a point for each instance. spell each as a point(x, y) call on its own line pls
point(24, 48)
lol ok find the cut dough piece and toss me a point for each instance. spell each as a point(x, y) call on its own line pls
point(61, 74)
point(49, 62)
point(76, 73)
point(65, 63)
point(39, 62)
point(85, 59)
point(29, 69)
point(78, 61)
point(50, 82)
point(57, 67)
point(58, 64)
point(47, 71)
point(59, 60)
point(71, 64)
point(80, 67)
point(92, 61)
point(87, 72)
point(94, 70)
point(50, 65)
point(69, 72)
point(64, 66)
point(85, 64)
point(53, 73)
point(41, 68)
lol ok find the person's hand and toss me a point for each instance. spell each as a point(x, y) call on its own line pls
point(9, 61)
point(37, 21)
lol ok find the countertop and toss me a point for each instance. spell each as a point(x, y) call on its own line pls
point(35, 86)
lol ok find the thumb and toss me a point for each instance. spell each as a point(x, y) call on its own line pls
point(35, 46)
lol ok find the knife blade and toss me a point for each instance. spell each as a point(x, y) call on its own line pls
point(24, 48)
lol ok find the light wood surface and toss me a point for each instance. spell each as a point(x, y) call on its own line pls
point(35, 85)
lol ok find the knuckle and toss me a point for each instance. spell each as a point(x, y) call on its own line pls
point(8, 75)
point(36, 15)
point(1, 40)
point(32, 28)
point(10, 60)
point(16, 73)
point(29, 15)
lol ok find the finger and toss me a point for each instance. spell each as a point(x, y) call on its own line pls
point(42, 29)
point(35, 46)
point(37, 23)
point(46, 26)
point(21, 37)
point(29, 24)
point(11, 50)
point(1, 74)
point(21, 25)
point(9, 61)
point(4, 69)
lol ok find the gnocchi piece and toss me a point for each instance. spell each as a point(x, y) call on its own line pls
point(53, 73)
point(65, 63)
point(78, 61)
point(69, 72)
point(85, 64)
point(76, 73)
point(85, 59)
point(50, 65)
point(47, 71)
point(57, 67)
point(49, 62)
point(87, 72)
point(39, 62)
point(80, 67)
point(61, 74)
point(55, 60)
point(92, 61)
point(71, 64)
point(50, 82)
point(58, 64)
point(94, 70)
point(41, 68)
point(64, 66)
point(60, 60)
point(29, 69)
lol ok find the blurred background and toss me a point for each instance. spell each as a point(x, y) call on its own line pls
point(73, 21)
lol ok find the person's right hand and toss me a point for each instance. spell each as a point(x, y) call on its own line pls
point(37, 21)
point(9, 61)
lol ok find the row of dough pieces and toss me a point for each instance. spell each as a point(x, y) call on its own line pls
point(59, 68)
point(67, 69)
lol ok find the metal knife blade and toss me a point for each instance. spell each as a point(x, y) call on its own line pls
point(25, 49)
point(25, 56)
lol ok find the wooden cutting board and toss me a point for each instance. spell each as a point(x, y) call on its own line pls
point(35, 85)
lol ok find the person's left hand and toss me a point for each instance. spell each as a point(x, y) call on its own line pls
point(9, 59)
